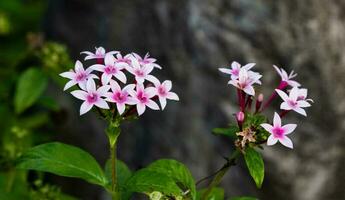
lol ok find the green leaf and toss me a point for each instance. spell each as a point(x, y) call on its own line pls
point(230, 131)
point(147, 181)
point(255, 165)
point(215, 194)
point(63, 160)
point(30, 86)
point(178, 172)
point(243, 198)
point(254, 120)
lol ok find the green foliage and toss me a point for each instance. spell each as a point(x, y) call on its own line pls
point(243, 198)
point(31, 85)
point(113, 130)
point(215, 194)
point(254, 120)
point(255, 165)
point(178, 172)
point(147, 181)
point(63, 160)
point(230, 131)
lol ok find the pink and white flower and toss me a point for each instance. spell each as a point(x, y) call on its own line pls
point(92, 96)
point(235, 69)
point(245, 81)
point(285, 78)
point(120, 96)
point(99, 53)
point(279, 132)
point(143, 97)
point(147, 60)
point(302, 95)
point(163, 92)
point(78, 76)
point(292, 102)
point(110, 69)
point(141, 73)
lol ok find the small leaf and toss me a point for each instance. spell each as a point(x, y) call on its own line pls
point(215, 194)
point(147, 181)
point(64, 160)
point(255, 165)
point(230, 131)
point(178, 172)
point(30, 86)
point(243, 198)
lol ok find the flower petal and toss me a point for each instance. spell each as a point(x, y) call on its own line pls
point(140, 108)
point(69, 75)
point(79, 94)
point(78, 66)
point(101, 103)
point(121, 76)
point(289, 128)
point(294, 93)
point(225, 70)
point(300, 111)
point(150, 92)
point(102, 91)
point(120, 108)
point(163, 102)
point(285, 106)
point(106, 78)
point(303, 104)
point(267, 127)
point(97, 67)
point(109, 60)
point(167, 85)
point(153, 105)
point(172, 96)
point(85, 107)
point(276, 120)
point(286, 142)
point(69, 84)
point(90, 85)
point(249, 90)
point(271, 140)
point(283, 95)
point(115, 87)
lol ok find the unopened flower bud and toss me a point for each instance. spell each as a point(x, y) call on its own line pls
point(258, 103)
point(240, 116)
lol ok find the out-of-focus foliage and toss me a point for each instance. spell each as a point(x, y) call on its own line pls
point(27, 63)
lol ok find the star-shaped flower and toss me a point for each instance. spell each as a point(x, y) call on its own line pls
point(279, 132)
point(163, 91)
point(99, 53)
point(78, 76)
point(141, 73)
point(120, 96)
point(147, 60)
point(245, 81)
point(287, 78)
point(235, 69)
point(92, 96)
point(143, 97)
point(110, 69)
point(292, 102)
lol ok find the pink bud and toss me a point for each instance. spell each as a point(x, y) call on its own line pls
point(260, 97)
point(240, 116)
point(259, 102)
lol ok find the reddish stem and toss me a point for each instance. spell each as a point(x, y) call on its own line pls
point(283, 113)
point(282, 85)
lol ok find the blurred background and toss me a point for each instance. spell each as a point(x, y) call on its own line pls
point(191, 39)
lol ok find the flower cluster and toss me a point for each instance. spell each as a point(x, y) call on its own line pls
point(294, 99)
point(106, 84)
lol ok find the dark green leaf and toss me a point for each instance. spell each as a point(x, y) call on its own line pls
point(243, 198)
point(178, 172)
point(215, 194)
point(147, 181)
point(63, 160)
point(30, 86)
point(254, 120)
point(255, 165)
point(230, 131)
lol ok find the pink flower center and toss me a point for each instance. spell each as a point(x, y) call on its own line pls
point(162, 91)
point(139, 73)
point(110, 69)
point(301, 98)
point(142, 97)
point(92, 97)
point(278, 132)
point(292, 103)
point(120, 97)
point(235, 72)
point(81, 76)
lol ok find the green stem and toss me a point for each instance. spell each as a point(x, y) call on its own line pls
point(220, 174)
point(114, 188)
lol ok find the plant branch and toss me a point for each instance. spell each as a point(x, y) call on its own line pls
point(220, 173)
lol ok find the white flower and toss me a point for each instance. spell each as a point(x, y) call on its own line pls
point(235, 69)
point(110, 69)
point(246, 80)
point(78, 76)
point(292, 102)
point(92, 96)
point(143, 97)
point(279, 132)
point(99, 53)
point(287, 78)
